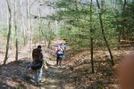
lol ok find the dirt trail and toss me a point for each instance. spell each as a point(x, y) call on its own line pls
point(56, 78)
point(78, 76)
point(13, 76)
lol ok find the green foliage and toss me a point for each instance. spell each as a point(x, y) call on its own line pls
point(3, 35)
point(45, 32)
point(101, 86)
point(35, 33)
point(124, 20)
point(74, 23)
point(76, 27)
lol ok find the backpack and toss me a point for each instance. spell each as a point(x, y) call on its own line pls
point(37, 63)
point(63, 48)
point(35, 66)
point(37, 55)
point(59, 49)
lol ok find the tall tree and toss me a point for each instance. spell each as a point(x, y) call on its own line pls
point(16, 34)
point(91, 38)
point(9, 31)
point(103, 33)
point(39, 22)
point(122, 29)
point(29, 26)
point(49, 32)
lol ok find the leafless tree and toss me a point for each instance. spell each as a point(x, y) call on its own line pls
point(9, 32)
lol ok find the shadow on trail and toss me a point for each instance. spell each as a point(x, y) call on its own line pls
point(14, 76)
point(6, 86)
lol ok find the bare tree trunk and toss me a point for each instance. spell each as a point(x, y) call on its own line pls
point(24, 32)
point(103, 33)
point(9, 32)
point(48, 44)
point(16, 34)
point(49, 40)
point(16, 43)
point(39, 21)
point(91, 39)
point(29, 27)
point(119, 37)
point(124, 6)
point(24, 22)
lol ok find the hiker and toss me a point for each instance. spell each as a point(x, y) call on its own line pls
point(125, 71)
point(59, 52)
point(37, 63)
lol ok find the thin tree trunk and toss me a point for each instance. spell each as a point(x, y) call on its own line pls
point(91, 39)
point(29, 27)
point(119, 37)
point(103, 33)
point(24, 32)
point(122, 29)
point(124, 6)
point(24, 23)
point(39, 21)
point(49, 40)
point(16, 43)
point(9, 32)
point(16, 35)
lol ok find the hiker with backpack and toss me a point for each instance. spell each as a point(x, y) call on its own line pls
point(59, 52)
point(37, 63)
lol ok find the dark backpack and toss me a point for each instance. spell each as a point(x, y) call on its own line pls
point(37, 59)
point(35, 66)
point(37, 56)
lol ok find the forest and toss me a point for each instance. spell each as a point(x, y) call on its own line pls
point(97, 33)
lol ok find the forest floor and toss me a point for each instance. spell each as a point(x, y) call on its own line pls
point(74, 74)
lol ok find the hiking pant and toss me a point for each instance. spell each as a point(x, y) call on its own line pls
point(59, 59)
point(38, 75)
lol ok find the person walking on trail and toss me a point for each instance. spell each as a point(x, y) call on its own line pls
point(59, 52)
point(37, 63)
